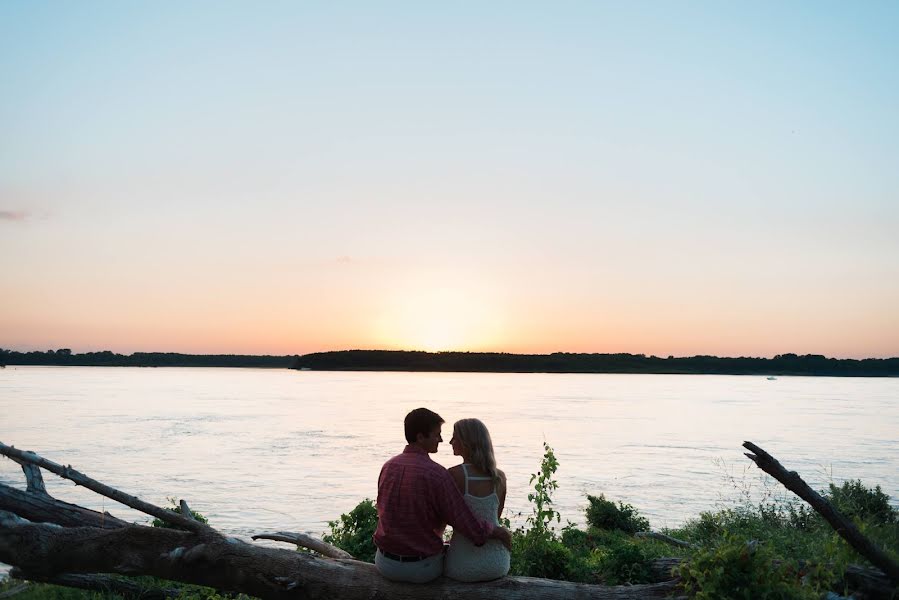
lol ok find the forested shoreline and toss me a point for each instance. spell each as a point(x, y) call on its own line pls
point(476, 362)
point(564, 362)
point(66, 358)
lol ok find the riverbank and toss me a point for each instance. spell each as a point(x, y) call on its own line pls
point(477, 362)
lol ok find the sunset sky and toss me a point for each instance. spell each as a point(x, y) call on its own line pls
point(650, 177)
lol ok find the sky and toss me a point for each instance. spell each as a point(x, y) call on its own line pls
point(667, 178)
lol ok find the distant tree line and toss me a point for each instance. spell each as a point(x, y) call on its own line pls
point(564, 362)
point(479, 362)
point(105, 358)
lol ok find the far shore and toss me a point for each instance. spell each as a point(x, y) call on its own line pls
point(477, 362)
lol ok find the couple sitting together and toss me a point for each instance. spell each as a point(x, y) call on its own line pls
point(417, 498)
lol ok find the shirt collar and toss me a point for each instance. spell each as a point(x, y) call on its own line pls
point(414, 449)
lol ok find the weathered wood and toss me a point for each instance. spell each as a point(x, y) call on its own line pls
point(42, 550)
point(305, 541)
point(33, 478)
point(185, 510)
point(15, 590)
point(43, 508)
point(664, 538)
point(843, 526)
point(81, 479)
point(106, 584)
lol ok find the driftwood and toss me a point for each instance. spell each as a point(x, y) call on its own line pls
point(47, 540)
point(664, 538)
point(48, 550)
point(305, 541)
point(105, 583)
point(104, 490)
point(843, 526)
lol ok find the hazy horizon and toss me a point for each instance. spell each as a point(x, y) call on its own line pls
point(235, 353)
point(665, 179)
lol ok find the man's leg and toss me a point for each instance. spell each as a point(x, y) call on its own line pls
point(421, 571)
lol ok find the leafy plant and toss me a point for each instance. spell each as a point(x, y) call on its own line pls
point(856, 501)
point(623, 562)
point(352, 531)
point(737, 569)
point(544, 514)
point(604, 514)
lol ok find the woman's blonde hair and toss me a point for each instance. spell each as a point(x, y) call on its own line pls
point(474, 435)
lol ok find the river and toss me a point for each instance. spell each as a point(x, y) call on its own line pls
point(264, 450)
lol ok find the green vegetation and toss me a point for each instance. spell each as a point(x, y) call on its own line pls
point(484, 362)
point(564, 362)
point(776, 549)
point(604, 514)
point(176, 508)
point(353, 532)
point(66, 358)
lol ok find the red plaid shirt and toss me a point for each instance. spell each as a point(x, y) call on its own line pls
point(417, 498)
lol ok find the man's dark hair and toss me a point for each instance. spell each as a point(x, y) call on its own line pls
point(421, 420)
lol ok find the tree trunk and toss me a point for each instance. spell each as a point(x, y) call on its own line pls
point(43, 550)
point(72, 540)
point(843, 526)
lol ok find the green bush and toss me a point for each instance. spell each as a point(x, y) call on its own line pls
point(535, 554)
point(623, 562)
point(352, 532)
point(604, 514)
point(855, 501)
point(736, 569)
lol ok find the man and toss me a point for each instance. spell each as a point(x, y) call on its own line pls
point(417, 498)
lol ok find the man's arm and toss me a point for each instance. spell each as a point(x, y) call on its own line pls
point(457, 513)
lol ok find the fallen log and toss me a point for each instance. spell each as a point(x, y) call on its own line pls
point(43, 508)
point(843, 526)
point(654, 535)
point(105, 584)
point(42, 551)
point(305, 541)
point(79, 478)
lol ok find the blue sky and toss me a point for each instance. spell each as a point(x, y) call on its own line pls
point(648, 177)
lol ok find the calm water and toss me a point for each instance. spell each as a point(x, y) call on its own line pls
point(264, 450)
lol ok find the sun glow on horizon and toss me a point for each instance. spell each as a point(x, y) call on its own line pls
point(439, 319)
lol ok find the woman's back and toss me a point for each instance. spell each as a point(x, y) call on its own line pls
point(464, 560)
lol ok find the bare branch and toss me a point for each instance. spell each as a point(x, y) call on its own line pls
point(185, 510)
point(228, 564)
point(16, 590)
point(81, 479)
point(47, 509)
point(104, 584)
point(33, 478)
point(305, 541)
point(664, 538)
point(843, 526)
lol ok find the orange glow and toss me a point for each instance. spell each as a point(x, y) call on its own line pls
point(438, 319)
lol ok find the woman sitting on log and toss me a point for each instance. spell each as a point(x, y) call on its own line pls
point(484, 489)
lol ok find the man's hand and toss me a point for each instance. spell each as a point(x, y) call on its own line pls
point(503, 535)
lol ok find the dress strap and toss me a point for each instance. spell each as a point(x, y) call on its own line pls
point(465, 471)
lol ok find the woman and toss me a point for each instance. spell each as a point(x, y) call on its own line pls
point(484, 489)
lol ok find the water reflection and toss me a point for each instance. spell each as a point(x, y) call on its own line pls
point(269, 449)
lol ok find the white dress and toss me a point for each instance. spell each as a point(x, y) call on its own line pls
point(464, 560)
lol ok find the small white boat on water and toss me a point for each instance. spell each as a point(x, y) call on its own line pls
point(771, 378)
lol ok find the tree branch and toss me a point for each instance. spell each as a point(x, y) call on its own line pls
point(71, 474)
point(305, 541)
point(843, 526)
point(228, 564)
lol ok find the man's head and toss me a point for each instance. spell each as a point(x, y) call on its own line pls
point(423, 429)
